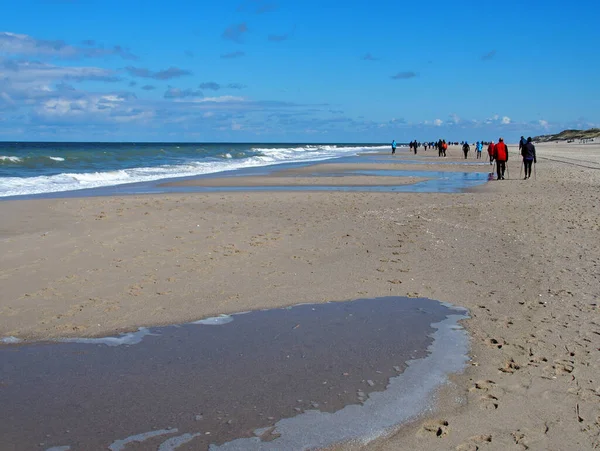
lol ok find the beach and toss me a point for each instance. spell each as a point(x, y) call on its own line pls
point(520, 255)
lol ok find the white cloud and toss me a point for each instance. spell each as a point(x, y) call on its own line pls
point(92, 107)
point(222, 99)
point(493, 119)
point(454, 119)
point(438, 122)
point(32, 73)
point(543, 123)
point(506, 120)
point(15, 44)
point(219, 99)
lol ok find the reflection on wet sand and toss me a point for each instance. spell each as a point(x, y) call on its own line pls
point(278, 376)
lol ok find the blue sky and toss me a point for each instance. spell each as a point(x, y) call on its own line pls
point(303, 71)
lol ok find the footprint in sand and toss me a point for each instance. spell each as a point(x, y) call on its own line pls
point(563, 367)
point(438, 428)
point(474, 443)
point(494, 343)
point(484, 385)
point(510, 367)
point(489, 402)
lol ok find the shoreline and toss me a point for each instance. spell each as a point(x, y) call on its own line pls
point(520, 255)
point(172, 184)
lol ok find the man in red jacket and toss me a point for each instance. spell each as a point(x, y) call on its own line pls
point(501, 157)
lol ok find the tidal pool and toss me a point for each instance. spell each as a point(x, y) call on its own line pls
point(300, 377)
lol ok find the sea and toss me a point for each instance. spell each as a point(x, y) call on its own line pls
point(37, 168)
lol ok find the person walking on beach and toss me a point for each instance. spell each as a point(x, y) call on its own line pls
point(491, 152)
point(501, 157)
point(479, 149)
point(522, 143)
point(393, 146)
point(466, 149)
point(416, 145)
point(529, 158)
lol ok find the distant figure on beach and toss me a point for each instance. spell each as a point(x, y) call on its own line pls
point(479, 149)
point(393, 146)
point(444, 146)
point(491, 152)
point(522, 143)
point(466, 149)
point(501, 157)
point(529, 158)
point(416, 145)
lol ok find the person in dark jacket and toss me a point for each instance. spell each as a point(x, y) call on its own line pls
point(529, 158)
point(522, 143)
point(466, 149)
point(501, 157)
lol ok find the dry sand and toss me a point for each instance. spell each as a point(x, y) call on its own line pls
point(523, 256)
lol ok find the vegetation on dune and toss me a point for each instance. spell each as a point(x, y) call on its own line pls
point(567, 135)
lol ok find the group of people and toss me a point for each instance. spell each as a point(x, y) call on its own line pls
point(478, 147)
point(497, 152)
point(441, 146)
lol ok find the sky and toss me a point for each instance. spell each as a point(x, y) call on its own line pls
point(297, 71)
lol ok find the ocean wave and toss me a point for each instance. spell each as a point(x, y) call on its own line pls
point(71, 181)
point(10, 159)
point(316, 148)
point(101, 177)
point(14, 159)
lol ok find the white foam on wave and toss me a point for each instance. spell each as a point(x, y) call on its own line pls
point(130, 338)
point(10, 340)
point(215, 321)
point(10, 158)
point(94, 177)
point(57, 158)
point(16, 186)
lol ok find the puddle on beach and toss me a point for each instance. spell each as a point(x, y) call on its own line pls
point(440, 161)
point(440, 182)
point(300, 377)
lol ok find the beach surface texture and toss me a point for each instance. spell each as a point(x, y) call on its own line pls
point(522, 255)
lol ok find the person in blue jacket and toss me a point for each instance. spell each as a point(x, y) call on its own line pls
point(479, 148)
point(393, 147)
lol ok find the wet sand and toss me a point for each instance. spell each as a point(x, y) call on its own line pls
point(285, 178)
point(521, 255)
point(226, 377)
